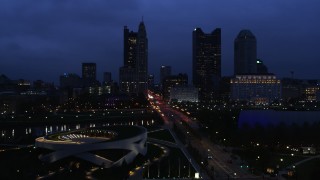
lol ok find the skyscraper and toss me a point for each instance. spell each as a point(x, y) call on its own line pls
point(89, 71)
point(107, 77)
point(130, 48)
point(70, 81)
point(206, 62)
point(245, 53)
point(164, 72)
point(89, 74)
point(151, 81)
point(134, 73)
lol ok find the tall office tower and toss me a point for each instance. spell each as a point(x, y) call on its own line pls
point(89, 71)
point(70, 81)
point(151, 81)
point(245, 53)
point(107, 77)
point(164, 72)
point(134, 73)
point(89, 74)
point(130, 48)
point(206, 62)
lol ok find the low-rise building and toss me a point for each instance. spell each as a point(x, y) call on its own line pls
point(311, 93)
point(173, 81)
point(257, 89)
point(184, 93)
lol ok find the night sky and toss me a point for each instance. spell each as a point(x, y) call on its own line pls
point(42, 39)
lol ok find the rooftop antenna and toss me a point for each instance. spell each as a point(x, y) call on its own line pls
point(292, 73)
point(142, 18)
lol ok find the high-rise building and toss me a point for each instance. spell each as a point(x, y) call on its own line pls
point(107, 77)
point(206, 62)
point(245, 53)
point(151, 81)
point(165, 71)
point(70, 81)
point(134, 73)
point(89, 74)
point(89, 71)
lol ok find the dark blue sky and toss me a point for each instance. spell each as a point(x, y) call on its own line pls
point(43, 39)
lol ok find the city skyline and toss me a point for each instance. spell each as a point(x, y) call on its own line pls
point(39, 44)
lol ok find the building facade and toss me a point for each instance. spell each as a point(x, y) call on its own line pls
point(107, 78)
point(257, 89)
point(151, 81)
point(89, 74)
point(261, 67)
point(245, 53)
point(165, 71)
point(184, 94)
point(89, 71)
point(173, 81)
point(206, 62)
point(312, 93)
point(70, 81)
point(134, 73)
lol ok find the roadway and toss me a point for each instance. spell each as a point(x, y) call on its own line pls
point(224, 166)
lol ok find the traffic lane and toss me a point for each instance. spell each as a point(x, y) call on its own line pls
point(221, 158)
point(219, 167)
point(225, 160)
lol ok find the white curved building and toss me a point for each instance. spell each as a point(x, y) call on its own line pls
point(83, 143)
